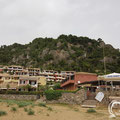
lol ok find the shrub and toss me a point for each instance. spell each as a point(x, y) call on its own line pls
point(91, 110)
point(13, 109)
point(30, 112)
point(42, 104)
point(2, 113)
point(69, 91)
point(25, 109)
point(52, 94)
point(56, 86)
point(50, 109)
point(23, 104)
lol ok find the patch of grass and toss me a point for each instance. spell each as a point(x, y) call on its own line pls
point(24, 103)
point(2, 113)
point(42, 105)
point(25, 109)
point(50, 109)
point(13, 109)
point(91, 110)
point(19, 103)
point(33, 105)
point(31, 112)
point(9, 102)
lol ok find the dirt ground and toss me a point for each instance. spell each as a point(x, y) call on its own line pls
point(53, 112)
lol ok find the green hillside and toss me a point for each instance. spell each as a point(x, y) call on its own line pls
point(64, 53)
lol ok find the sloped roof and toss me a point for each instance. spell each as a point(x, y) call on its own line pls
point(86, 73)
point(112, 75)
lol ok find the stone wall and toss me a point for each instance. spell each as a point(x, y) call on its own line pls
point(71, 98)
point(18, 97)
point(106, 100)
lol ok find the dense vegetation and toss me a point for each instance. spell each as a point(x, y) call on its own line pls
point(53, 94)
point(64, 53)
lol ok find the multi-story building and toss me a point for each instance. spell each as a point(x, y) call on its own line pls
point(8, 81)
point(23, 72)
point(33, 81)
point(13, 68)
point(68, 73)
point(16, 81)
point(52, 77)
point(33, 71)
point(72, 82)
point(29, 72)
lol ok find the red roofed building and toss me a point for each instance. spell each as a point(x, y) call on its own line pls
point(71, 82)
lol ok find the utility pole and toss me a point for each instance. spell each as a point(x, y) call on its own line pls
point(104, 64)
point(104, 59)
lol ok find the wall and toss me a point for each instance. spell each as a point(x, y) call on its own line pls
point(42, 80)
point(18, 97)
point(71, 98)
point(106, 100)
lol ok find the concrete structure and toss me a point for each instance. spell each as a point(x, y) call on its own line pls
point(72, 82)
point(33, 81)
point(109, 81)
point(16, 81)
point(67, 73)
point(52, 77)
point(8, 81)
point(13, 68)
point(71, 98)
point(33, 71)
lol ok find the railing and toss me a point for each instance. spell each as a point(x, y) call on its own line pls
point(67, 82)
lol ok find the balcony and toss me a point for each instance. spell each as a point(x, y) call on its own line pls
point(67, 82)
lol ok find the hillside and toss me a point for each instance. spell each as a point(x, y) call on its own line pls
point(64, 53)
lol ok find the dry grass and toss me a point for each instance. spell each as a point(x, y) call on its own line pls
point(50, 112)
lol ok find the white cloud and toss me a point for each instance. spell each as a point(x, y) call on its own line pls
point(23, 20)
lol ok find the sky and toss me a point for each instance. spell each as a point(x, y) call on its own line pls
point(21, 21)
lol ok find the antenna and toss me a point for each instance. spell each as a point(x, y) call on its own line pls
point(104, 59)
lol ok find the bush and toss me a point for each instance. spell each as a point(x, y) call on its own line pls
point(53, 94)
point(13, 109)
point(42, 104)
point(56, 86)
point(23, 104)
point(25, 109)
point(50, 109)
point(2, 113)
point(30, 112)
point(91, 110)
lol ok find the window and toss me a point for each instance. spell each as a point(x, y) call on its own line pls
point(22, 81)
point(72, 77)
point(32, 82)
